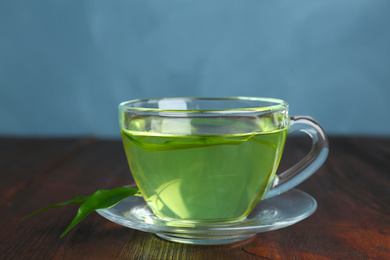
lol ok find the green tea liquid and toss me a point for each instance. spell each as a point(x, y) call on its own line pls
point(203, 178)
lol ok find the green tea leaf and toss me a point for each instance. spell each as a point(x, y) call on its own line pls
point(78, 199)
point(186, 144)
point(101, 199)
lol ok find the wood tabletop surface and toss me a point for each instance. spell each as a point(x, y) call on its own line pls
point(352, 190)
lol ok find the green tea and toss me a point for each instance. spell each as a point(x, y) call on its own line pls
point(203, 178)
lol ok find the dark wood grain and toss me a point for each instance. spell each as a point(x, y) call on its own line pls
point(352, 190)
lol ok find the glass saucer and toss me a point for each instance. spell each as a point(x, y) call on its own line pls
point(271, 214)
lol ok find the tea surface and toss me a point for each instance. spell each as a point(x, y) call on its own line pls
point(203, 178)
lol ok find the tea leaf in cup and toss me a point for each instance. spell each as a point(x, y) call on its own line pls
point(182, 143)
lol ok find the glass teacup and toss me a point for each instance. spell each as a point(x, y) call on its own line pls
point(211, 160)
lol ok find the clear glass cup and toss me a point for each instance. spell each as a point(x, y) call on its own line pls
point(211, 160)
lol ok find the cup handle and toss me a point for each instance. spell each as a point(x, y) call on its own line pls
point(308, 165)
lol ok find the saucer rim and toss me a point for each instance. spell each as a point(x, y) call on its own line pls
point(242, 227)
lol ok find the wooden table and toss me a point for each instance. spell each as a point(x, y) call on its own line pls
point(352, 190)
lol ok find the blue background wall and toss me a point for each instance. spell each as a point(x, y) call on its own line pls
point(65, 65)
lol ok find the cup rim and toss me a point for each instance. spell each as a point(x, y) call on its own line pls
point(279, 105)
